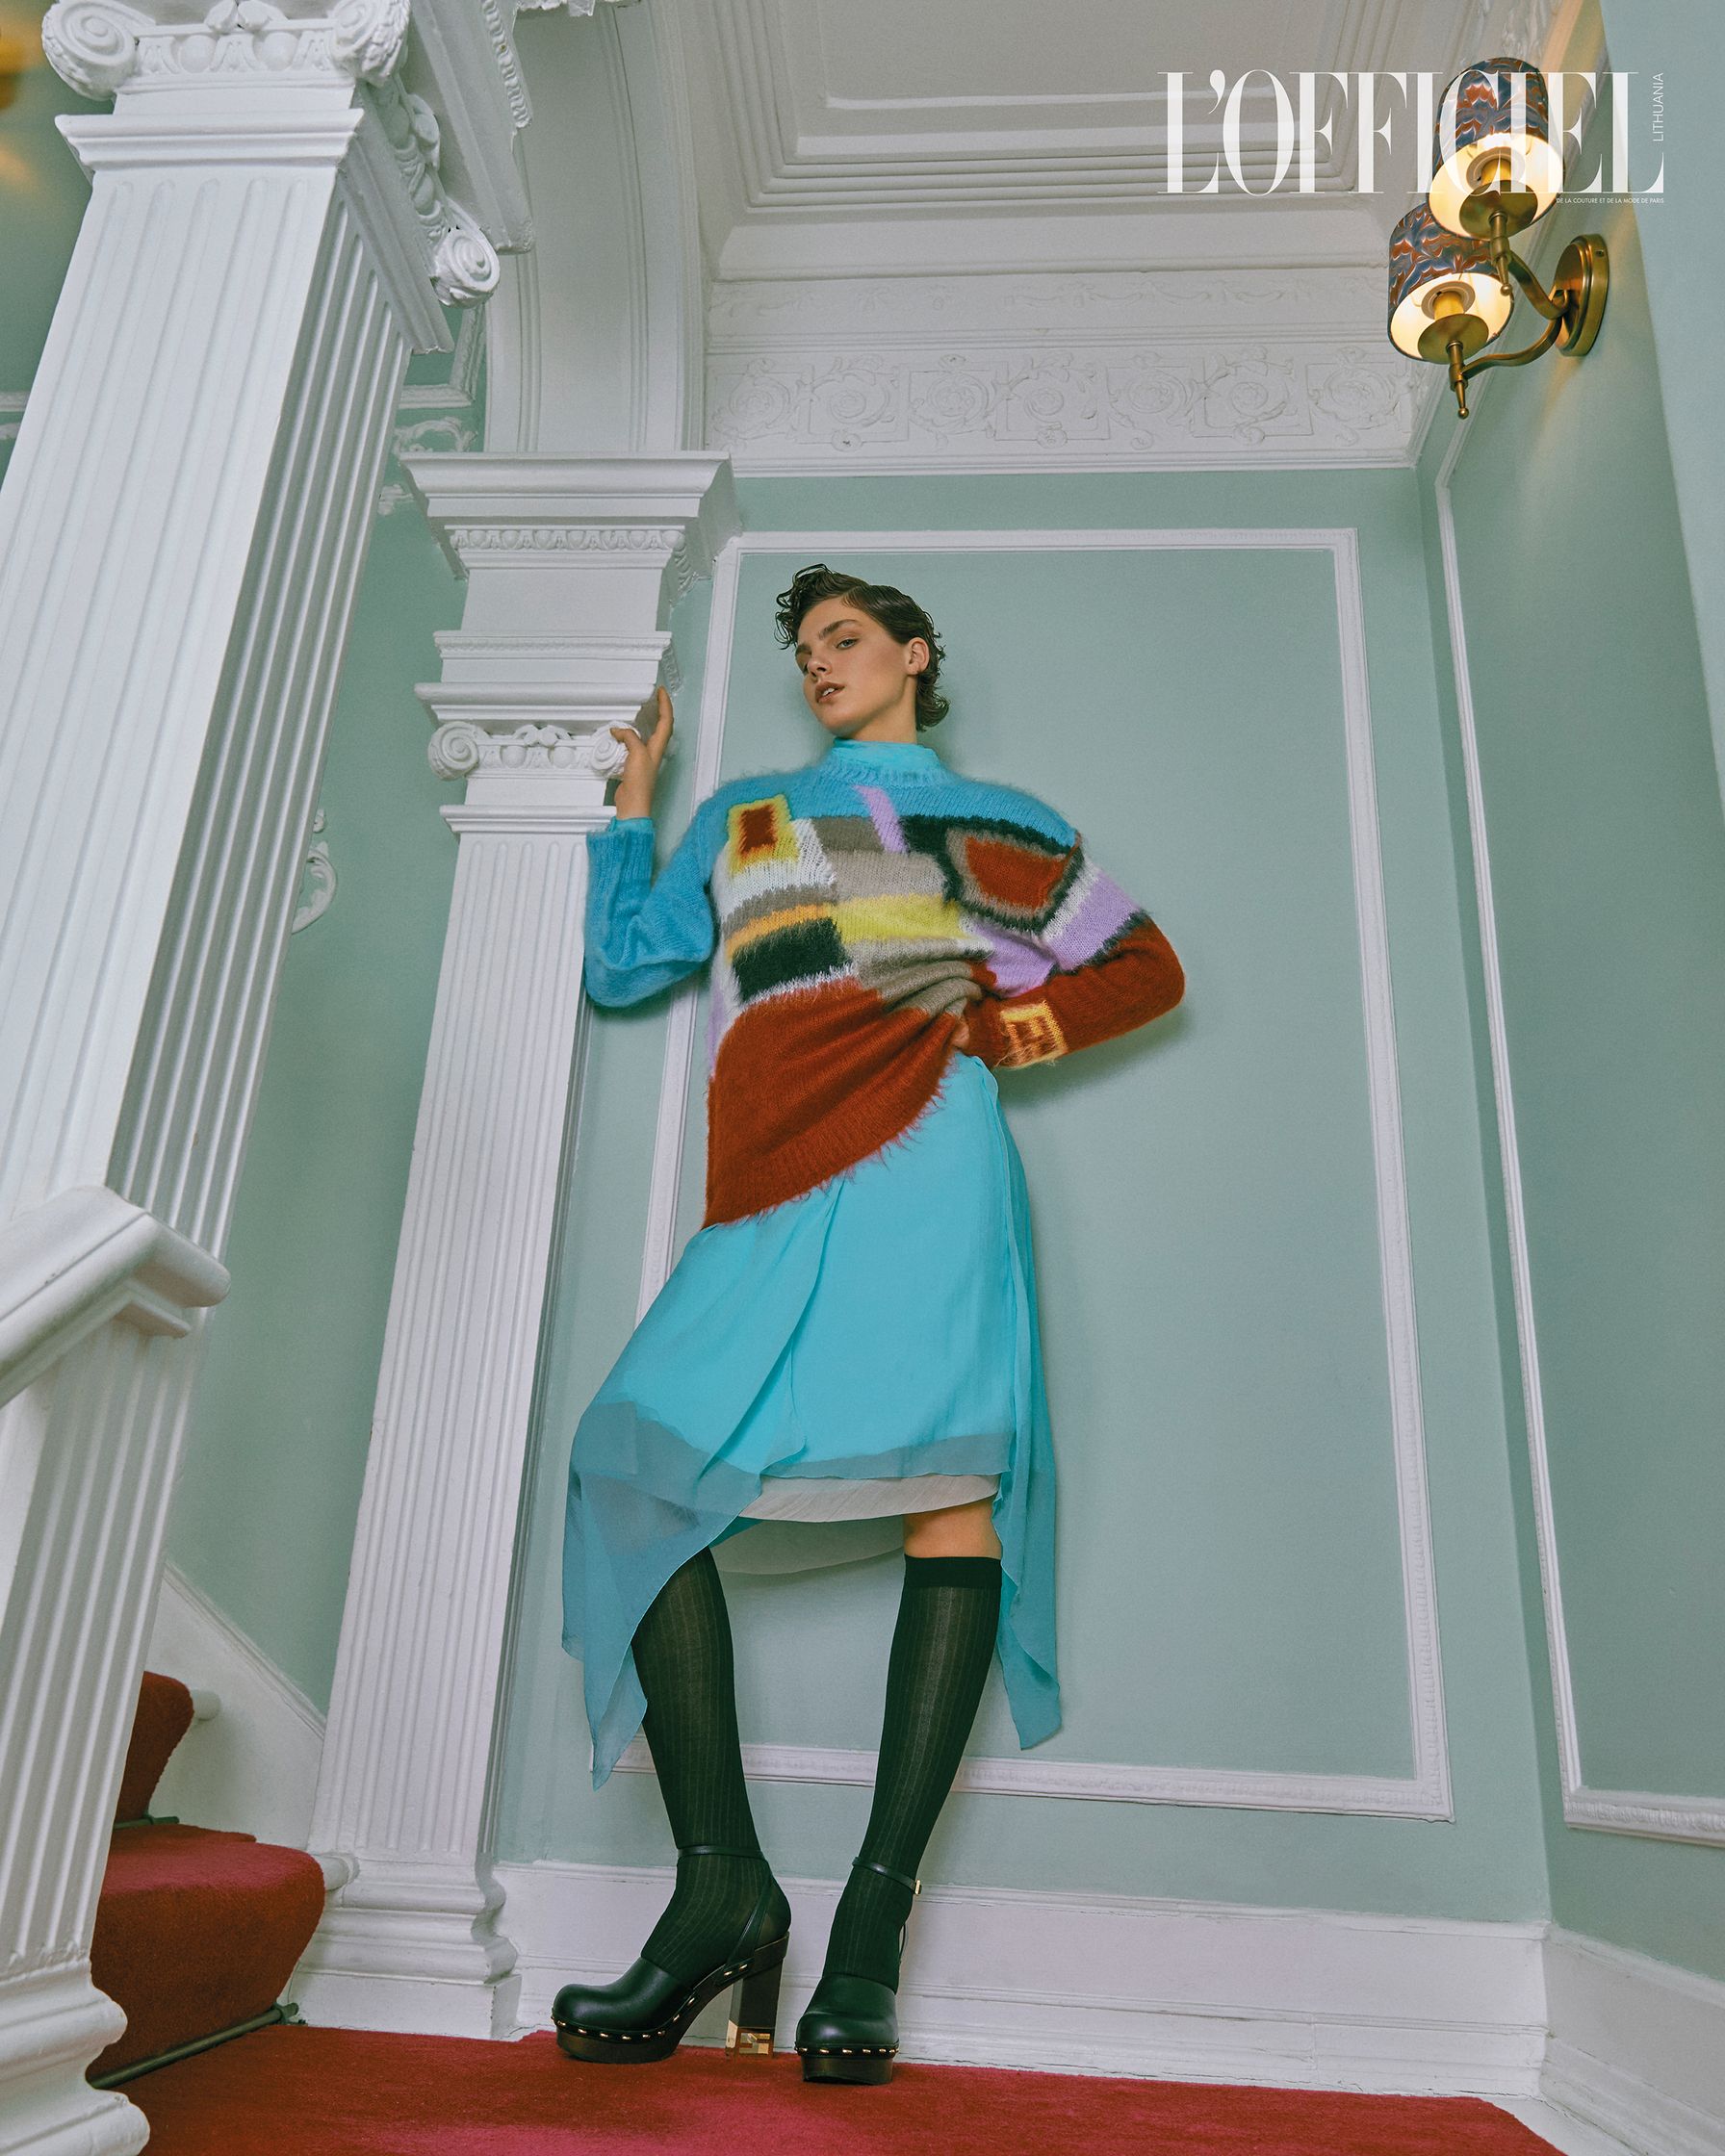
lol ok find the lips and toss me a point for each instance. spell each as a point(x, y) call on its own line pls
point(827, 689)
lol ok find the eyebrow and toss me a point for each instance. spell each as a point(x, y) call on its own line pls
point(844, 621)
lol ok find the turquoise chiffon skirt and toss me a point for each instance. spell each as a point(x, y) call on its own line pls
point(882, 1325)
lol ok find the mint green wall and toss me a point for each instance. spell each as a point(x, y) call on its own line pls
point(1608, 851)
point(1229, 1587)
point(43, 193)
point(1679, 41)
point(264, 1507)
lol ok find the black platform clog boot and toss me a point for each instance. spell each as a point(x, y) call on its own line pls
point(849, 2028)
point(646, 2012)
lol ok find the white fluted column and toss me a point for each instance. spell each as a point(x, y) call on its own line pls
point(572, 565)
point(182, 528)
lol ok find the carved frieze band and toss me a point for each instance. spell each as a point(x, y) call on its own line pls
point(100, 47)
point(993, 403)
point(627, 544)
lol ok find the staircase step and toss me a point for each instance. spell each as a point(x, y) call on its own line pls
point(197, 1930)
point(165, 1711)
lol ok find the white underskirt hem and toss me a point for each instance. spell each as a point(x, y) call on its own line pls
point(791, 1497)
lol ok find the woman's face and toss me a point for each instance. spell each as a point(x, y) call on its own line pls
point(857, 678)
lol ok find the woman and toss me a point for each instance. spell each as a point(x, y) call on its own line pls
point(852, 1332)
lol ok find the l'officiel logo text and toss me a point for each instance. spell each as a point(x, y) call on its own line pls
point(1383, 107)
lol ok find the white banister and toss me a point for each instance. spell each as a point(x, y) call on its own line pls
point(82, 1258)
point(183, 525)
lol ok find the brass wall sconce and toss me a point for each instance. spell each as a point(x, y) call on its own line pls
point(1453, 272)
point(20, 48)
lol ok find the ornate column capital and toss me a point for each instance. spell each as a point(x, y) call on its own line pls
point(244, 66)
point(573, 565)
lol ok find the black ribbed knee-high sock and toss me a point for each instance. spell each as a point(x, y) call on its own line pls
point(683, 1658)
point(941, 1646)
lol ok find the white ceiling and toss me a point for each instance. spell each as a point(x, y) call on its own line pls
point(949, 113)
point(938, 234)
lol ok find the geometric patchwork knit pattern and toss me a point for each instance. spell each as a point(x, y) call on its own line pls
point(856, 913)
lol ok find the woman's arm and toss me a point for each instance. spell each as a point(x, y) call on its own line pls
point(644, 933)
point(1105, 966)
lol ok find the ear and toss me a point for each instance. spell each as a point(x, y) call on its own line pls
point(916, 654)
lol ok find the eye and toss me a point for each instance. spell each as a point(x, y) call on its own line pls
point(845, 641)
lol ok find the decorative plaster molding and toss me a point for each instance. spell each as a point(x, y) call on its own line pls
point(460, 747)
point(565, 538)
point(463, 384)
point(448, 432)
point(99, 46)
point(795, 152)
point(464, 264)
point(1032, 406)
point(1626, 1812)
point(502, 48)
point(319, 875)
point(1426, 1793)
point(753, 313)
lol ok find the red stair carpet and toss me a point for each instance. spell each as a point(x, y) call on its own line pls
point(292, 2090)
point(196, 1932)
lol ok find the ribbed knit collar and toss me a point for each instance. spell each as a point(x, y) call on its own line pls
point(905, 757)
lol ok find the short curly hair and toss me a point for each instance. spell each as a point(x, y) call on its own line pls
point(898, 613)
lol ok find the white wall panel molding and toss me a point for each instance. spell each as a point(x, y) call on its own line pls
point(1118, 1985)
point(573, 565)
point(200, 452)
point(1671, 1817)
point(1426, 1793)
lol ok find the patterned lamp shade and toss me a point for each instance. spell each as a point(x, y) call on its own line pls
point(1500, 106)
point(1425, 262)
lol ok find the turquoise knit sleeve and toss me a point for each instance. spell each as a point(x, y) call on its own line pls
point(645, 932)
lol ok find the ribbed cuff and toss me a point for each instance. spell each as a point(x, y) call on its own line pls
point(952, 1571)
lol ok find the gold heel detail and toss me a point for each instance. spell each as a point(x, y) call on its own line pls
point(755, 2009)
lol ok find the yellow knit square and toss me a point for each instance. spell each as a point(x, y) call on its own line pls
point(903, 916)
point(1032, 1033)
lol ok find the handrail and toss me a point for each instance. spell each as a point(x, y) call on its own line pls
point(85, 1256)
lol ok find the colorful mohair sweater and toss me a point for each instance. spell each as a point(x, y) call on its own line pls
point(856, 911)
